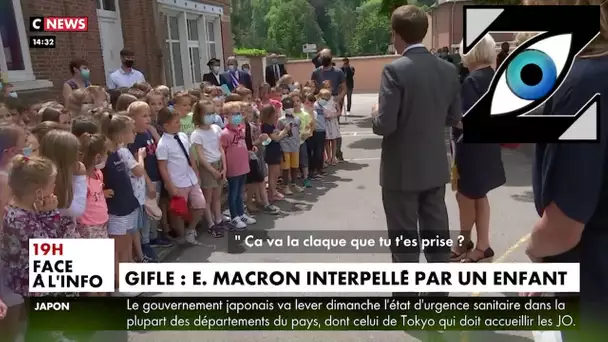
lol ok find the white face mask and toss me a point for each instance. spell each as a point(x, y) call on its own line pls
point(216, 69)
point(289, 111)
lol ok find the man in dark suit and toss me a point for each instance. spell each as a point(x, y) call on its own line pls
point(505, 47)
point(213, 76)
point(274, 70)
point(235, 77)
point(419, 96)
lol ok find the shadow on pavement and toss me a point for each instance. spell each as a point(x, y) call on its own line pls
point(518, 166)
point(292, 205)
point(526, 196)
point(374, 143)
point(364, 123)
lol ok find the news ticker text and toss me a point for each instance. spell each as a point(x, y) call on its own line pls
point(306, 313)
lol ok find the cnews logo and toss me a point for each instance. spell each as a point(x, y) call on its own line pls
point(59, 24)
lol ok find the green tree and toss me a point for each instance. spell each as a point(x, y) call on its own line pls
point(372, 33)
point(388, 6)
point(241, 14)
point(292, 24)
point(343, 17)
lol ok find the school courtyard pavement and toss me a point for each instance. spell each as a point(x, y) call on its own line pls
point(349, 200)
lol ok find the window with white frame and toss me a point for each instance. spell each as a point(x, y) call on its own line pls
point(15, 60)
point(194, 51)
point(211, 47)
point(192, 39)
point(174, 59)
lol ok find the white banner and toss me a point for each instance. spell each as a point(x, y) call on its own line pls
point(348, 277)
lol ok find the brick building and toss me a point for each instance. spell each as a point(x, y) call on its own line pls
point(446, 24)
point(172, 40)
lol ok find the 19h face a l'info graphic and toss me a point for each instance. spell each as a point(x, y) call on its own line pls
point(87, 265)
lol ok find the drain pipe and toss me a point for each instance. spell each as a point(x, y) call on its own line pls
point(158, 35)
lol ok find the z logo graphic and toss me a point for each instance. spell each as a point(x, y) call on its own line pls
point(531, 74)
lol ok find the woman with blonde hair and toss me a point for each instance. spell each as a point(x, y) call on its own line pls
point(570, 183)
point(478, 167)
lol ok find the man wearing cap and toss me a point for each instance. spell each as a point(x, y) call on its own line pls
point(235, 77)
point(213, 76)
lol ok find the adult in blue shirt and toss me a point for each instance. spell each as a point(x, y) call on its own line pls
point(570, 182)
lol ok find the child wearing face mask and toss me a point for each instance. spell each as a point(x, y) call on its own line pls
point(93, 223)
point(290, 146)
point(8, 90)
point(237, 163)
point(332, 131)
point(211, 163)
point(31, 214)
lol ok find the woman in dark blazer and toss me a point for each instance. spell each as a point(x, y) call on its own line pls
point(479, 167)
point(214, 76)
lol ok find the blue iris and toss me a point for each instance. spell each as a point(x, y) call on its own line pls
point(531, 75)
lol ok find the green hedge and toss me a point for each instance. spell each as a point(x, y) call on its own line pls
point(250, 52)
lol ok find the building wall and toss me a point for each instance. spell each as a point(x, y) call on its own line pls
point(448, 28)
point(53, 64)
point(138, 30)
point(139, 35)
point(367, 70)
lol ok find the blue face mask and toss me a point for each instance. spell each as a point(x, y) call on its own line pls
point(13, 94)
point(209, 119)
point(292, 87)
point(237, 119)
point(246, 70)
point(27, 151)
point(322, 102)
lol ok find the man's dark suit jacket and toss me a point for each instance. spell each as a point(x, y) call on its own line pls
point(270, 79)
point(243, 79)
point(210, 77)
point(419, 96)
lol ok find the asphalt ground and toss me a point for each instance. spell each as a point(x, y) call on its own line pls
point(347, 200)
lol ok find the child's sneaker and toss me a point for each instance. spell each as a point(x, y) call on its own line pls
point(307, 183)
point(272, 210)
point(149, 252)
point(248, 219)
point(216, 231)
point(238, 223)
point(287, 191)
point(145, 260)
point(190, 238)
point(296, 188)
point(161, 242)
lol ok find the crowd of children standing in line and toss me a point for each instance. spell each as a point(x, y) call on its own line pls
point(145, 167)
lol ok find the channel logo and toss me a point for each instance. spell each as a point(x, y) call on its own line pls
point(59, 24)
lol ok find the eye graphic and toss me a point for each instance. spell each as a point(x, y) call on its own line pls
point(531, 75)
